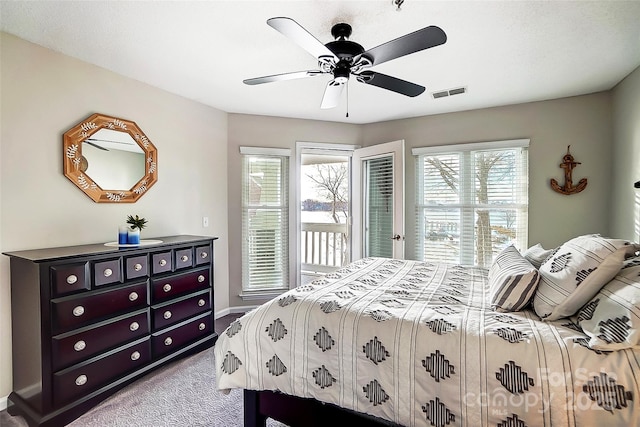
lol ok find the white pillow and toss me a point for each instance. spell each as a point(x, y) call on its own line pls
point(536, 255)
point(577, 266)
point(612, 317)
point(512, 281)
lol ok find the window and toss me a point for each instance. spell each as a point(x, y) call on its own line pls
point(265, 220)
point(471, 201)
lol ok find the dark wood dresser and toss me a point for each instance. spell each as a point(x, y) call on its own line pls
point(88, 320)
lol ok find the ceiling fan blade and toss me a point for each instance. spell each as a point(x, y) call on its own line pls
point(281, 77)
point(390, 83)
point(332, 94)
point(405, 45)
point(300, 36)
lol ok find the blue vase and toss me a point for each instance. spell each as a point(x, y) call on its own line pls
point(133, 237)
point(123, 235)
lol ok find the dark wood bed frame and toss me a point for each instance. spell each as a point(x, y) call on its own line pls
point(301, 412)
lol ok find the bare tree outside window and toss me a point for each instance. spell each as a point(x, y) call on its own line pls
point(330, 195)
point(331, 183)
point(485, 162)
point(493, 177)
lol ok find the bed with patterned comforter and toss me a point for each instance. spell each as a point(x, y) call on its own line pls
point(417, 344)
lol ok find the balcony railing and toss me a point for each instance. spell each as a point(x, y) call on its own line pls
point(324, 247)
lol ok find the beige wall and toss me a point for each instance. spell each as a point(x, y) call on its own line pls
point(44, 93)
point(584, 122)
point(625, 217)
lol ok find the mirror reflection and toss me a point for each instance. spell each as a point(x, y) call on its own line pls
point(110, 159)
point(113, 159)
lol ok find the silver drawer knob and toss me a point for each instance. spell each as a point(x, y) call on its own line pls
point(203, 255)
point(107, 272)
point(201, 326)
point(78, 311)
point(80, 345)
point(200, 302)
point(137, 267)
point(71, 279)
point(133, 296)
point(184, 258)
point(168, 341)
point(135, 355)
point(134, 326)
point(166, 287)
point(201, 278)
point(163, 262)
point(167, 314)
point(81, 380)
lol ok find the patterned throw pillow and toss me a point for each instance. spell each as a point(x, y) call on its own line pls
point(576, 272)
point(536, 255)
point(612, 317)
point(512, 281)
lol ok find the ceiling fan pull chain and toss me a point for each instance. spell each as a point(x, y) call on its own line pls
point(347, 99)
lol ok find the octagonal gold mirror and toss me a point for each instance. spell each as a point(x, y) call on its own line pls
point(110, 159)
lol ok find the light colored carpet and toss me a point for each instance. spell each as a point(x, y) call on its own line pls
point(183, 393)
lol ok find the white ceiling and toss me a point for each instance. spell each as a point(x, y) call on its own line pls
point(503, 52)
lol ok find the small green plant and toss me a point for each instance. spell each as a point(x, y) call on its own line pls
point(136, 222)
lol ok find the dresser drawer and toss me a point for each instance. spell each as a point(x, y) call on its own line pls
point(203, 255)
point(67, 278)
point(72, 312)
point(178, 284)
point(184, 258)
point(172, 339)
point(136, 266)
point(107, 272)
point(161, 262)
point(174, 312)
point(68, 349)
point(81, 379)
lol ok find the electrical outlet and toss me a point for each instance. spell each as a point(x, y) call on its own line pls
point(205, 221)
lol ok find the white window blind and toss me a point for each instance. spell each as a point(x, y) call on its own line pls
point(379, 215)
point(265, 220)
point(471, 201)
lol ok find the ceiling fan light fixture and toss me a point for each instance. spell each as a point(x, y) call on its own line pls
point(341, 74)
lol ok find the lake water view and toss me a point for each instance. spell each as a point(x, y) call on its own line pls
point(320, 217)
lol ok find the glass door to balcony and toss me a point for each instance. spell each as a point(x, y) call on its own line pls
point(378, 207)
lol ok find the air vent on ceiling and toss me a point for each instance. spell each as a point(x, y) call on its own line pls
point(449, 92)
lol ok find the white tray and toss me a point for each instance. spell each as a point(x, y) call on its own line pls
point(128, 245)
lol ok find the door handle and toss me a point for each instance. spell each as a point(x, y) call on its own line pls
point(396, 237)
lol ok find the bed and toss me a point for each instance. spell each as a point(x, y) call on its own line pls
point(398, 342)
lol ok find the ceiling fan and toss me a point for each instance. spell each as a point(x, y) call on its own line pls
point(342, 58)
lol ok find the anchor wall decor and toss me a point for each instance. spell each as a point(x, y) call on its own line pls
point(568, 164)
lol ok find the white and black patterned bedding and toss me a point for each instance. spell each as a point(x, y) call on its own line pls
point(418, 344)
